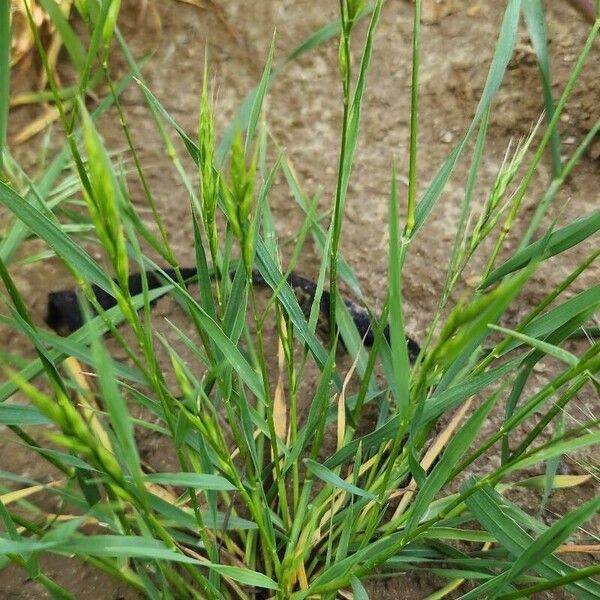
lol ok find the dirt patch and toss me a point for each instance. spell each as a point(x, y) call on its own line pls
point(304, 115)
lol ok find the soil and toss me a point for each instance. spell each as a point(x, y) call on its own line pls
point(304, 116)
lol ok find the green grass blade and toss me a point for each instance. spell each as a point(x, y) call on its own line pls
point(185, 519)
point(245, 576)
point(242, 116)
point(544, 347)
point(439, 404)
point(553, 450)
point(22, 415)
point(63, 457)
point(5, 51)
point(400, 363)
point(336, 481)
point(322, 36)
point(73, 255)
point(272, 276)
point(442, 401)
point(555, 535)
point(235, 312)
point(114, 315)
point(67, 35)
point(504, 49)
point(556, 185)
point(358, 589)
point(317, 230)
point(127, 546)
point(584, 573)
point(25, 325)
point(485, 310)
point(490, 508)
point(23, 546)
point(159, 109)
point(357, 101)
point(219, 337)
point(318, 406)
point(80, 351)
point(585, 302)
point(538, 34)
point(116, 406)
point(349, 137)
point(414, 120)
point(458, 445)
point(18, 231)
point(204, 274)
point(203, 481)
point(92, 54)
point(558, 241)
point(460, 239)
point(541, 547)
point(259, 97)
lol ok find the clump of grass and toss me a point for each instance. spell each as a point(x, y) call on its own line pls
point(42, 25)
point(256, 500)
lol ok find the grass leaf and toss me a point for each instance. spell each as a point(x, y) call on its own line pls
point(5, 46)
point(202, 481)
point(51, 233)
point(559, 241)
point(328, 476)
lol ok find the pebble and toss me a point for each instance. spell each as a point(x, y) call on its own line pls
point(447, 137)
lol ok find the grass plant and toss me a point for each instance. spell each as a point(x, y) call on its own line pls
point(257, 504)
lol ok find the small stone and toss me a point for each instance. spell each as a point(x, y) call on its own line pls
point(447, 137)
point(565, 118)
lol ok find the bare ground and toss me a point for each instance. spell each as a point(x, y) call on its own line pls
point(303, 113)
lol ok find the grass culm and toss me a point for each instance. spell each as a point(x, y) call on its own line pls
point(382, 474)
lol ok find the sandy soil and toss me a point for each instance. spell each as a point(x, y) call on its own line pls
point(303, 112)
